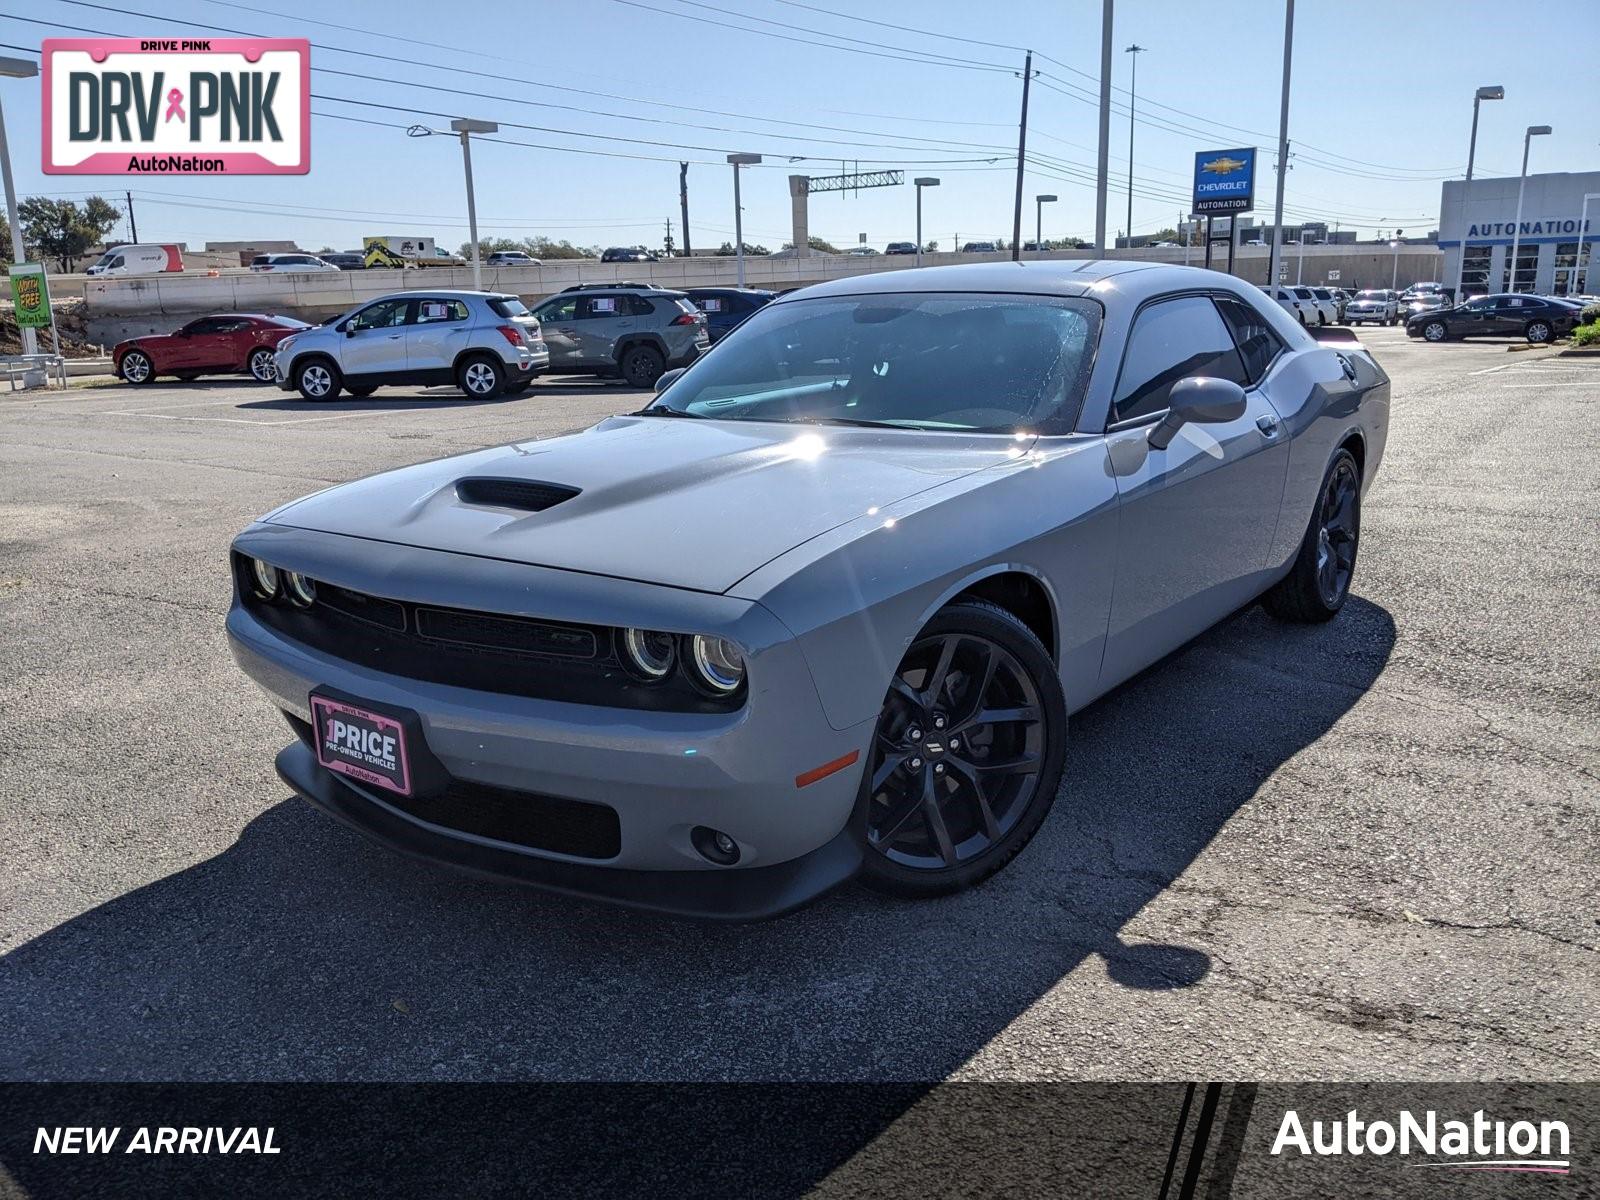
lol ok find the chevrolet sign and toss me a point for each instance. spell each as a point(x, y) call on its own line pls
point(1224, 181)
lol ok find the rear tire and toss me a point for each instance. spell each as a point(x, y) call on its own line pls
point(481, 377)
point(137, 368)
point(642, 366)
point(1540, 332)
point(1318, 583)
point(318, 379)
point(948, 798)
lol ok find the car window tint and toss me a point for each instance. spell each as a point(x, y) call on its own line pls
point(1258, 344)
point(382, 315)
point(599, 308)
point(564, 309)
point(1172, 340)
point(203, 325)
point(711, 304)
point(433, 312)
point(640, 307)
point(509, 306)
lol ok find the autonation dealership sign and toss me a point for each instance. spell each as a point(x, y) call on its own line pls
point(1225, 181)
point(206, 106)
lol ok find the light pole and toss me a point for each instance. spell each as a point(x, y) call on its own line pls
point(1580, 277)
point(1493, 92)
point(466, 128)
point(1283, 144)
point(1300, 259)
point(925, 181)
point(737, 161)
point(1133, 87)
point(1038, 222)
point(15, 68)
point(1516, 229)
point(1394, 276)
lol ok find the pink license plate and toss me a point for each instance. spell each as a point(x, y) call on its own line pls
point(361, 744)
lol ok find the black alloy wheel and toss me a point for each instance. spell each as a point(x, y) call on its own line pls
point(1318, 582)
point(967, 754)
point(642, 366)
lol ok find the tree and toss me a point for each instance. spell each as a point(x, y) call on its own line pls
point(931, 248)
point(726, 250)
point(1168, 234)
point(535, 247)
point(62, 230)
point(820, 245)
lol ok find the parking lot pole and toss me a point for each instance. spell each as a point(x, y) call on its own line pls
point(925, 181)
point(1580, 278)
point(1516, 226)
point(1493, 92)
point(15, 68)
point(1103, 169)
point(1283, 145)
point(466, 128)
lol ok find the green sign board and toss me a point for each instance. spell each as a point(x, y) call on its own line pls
point(31, 293)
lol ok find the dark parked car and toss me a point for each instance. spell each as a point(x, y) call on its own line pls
point(219, 345)
point(726, 307)
point(615, 254)
point(900, 248)
point(346, 260)
point(979, 248)
point(1512, 315)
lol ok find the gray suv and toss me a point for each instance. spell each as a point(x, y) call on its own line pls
point(485, 343)
point(633, 330)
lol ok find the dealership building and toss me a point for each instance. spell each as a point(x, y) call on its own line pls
point(1547, 247)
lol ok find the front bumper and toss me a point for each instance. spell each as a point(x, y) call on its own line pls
point(662, 772)
point(755, 894)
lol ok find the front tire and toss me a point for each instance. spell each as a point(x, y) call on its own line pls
point(1318, 583)
point(317, 379)
point(1435, 331)
point(481, 377)
point(137, 368)
point(967, 755)
point(261, 365)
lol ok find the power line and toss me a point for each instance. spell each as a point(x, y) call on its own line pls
point(951, 37)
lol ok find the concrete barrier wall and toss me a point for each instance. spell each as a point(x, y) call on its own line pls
point(121, 307)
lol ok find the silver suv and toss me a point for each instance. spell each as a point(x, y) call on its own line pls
point(630, 330)
point(485, 343)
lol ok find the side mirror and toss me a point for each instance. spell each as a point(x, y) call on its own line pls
point(1199, 399)
point(667, 378)
point(348, 329)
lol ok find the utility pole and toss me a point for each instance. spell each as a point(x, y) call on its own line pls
point(1103, 173)
point(1133, 100)
point(1022, 159)
point(683, 199)
point(133, 226)
point(1276, 253)
point(667, 244)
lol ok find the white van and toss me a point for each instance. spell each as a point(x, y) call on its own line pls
point(138, 260)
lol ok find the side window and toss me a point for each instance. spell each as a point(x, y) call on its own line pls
point(433, 312)
point(1172, 340)
point(234, 325)
point(1258, 345)
point(600, 307)
point(711, 304)
point(1481, 304)
point(562, 309)
point(383, 315)
point(640, 307)
point(202, 326)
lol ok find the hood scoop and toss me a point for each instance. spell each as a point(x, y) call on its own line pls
point(525, 495)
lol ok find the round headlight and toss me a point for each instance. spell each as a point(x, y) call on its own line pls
point(302, 591)
point(716, 664)
point(266, 578)
point(648, 654)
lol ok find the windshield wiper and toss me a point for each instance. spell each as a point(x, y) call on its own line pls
point(665, 412)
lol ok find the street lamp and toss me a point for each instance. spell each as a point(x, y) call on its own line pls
point(466, 128)
point(740, 160)
point(925, 181)
point(1494, 92)
point(1580, 277)
point(1038, 222)
point(15, 68)
point(1133, 86)
point(1300, 259)
point(1394, 276)
point(1516, 229)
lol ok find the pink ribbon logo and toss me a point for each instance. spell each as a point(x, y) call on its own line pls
point(175, 105)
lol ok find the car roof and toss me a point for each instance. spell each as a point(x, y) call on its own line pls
point(1100, 278)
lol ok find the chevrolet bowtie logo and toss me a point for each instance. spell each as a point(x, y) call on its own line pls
point(1222, 166)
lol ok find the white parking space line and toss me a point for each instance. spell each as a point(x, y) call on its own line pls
point(1555, 383)
point(156, 416)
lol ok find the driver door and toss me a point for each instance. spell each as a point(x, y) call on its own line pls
point(558, 320)
point(1195, 520)
point(374, 341)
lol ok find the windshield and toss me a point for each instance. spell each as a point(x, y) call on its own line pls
point(1372, 295)
point(979, 363)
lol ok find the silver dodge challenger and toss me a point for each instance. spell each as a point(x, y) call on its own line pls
point(823, 608)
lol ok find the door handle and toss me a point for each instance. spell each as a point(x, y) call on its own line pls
point(1268, 425)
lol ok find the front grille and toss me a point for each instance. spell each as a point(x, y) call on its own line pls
point(529, 819)
point(488, 652)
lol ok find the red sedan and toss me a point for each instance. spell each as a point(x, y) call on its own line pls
point(224, 344)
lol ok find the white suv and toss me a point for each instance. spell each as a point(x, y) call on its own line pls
point(1291, 304)
point(485, 343)
point(290, 262)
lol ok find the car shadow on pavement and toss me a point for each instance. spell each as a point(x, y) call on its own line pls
point(303, 952)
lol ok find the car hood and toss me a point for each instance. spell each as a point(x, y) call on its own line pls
point(686, 502)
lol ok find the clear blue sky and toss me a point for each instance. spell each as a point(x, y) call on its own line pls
point(1380, 111)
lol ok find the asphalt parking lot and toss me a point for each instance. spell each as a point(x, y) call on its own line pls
point(1365, 850)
